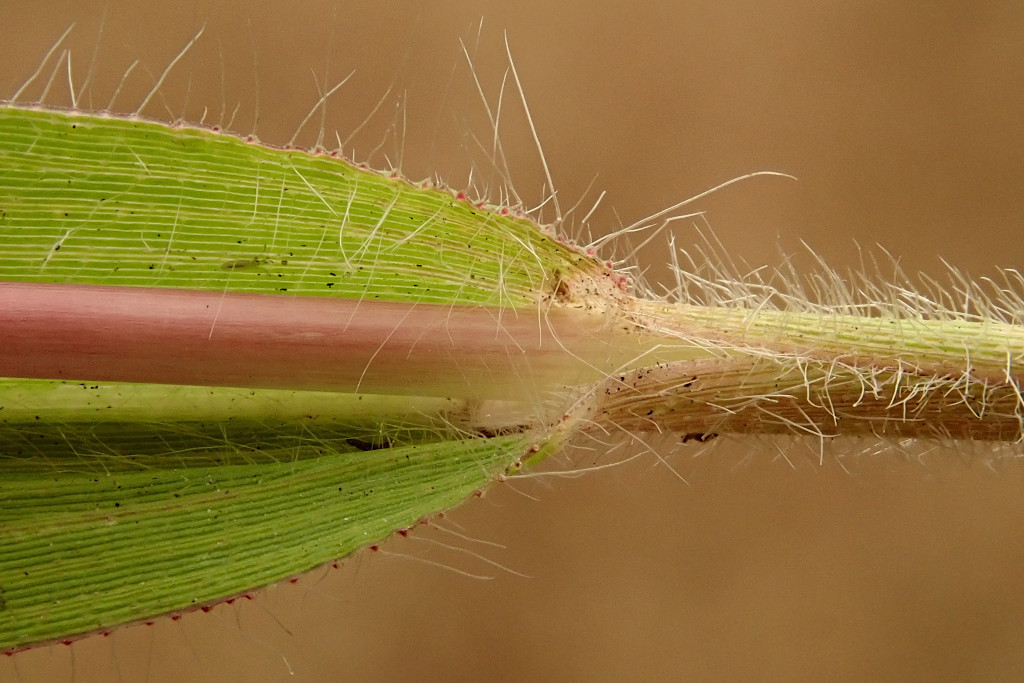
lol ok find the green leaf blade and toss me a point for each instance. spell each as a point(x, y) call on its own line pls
point(108, 200)
point(98, 549)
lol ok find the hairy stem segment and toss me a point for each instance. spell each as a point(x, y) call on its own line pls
point(825, 375)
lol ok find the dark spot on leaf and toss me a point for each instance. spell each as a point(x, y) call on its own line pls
point(364, 445)
point(240, 263)
point(699, 437)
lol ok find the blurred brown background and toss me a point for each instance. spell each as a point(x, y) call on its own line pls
point(903, 123)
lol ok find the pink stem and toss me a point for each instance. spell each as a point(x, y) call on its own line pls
point(174, 336)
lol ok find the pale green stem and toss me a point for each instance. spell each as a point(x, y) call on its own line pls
point(821, 373)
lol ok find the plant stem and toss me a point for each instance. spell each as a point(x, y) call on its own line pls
point(823, 374)
point(684, 368)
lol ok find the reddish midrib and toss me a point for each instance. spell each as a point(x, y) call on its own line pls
point(175, 336)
